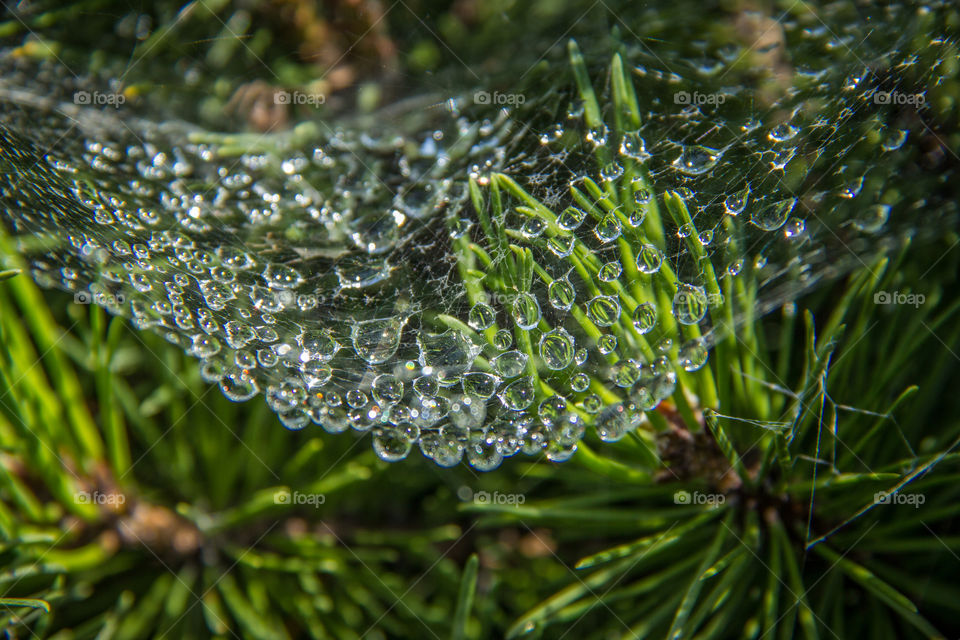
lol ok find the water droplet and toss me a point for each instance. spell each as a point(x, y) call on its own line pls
point(526, 311)
point(317, 345)
point(481, 316)
point(552, 410)
point(216, 294)
point(591, 403)
point(603, 311)
point(644, 318)
point(238, 386)
point(557, 349)
point(580, 382)
point(770, 217)
point(633, 146)
point(426, 386)
point(447, 355)
point(608, 229)
point(357, 399)
point(533, 228)
point(610, 271)
point(561, 294)
point(735, 203)
point(571, 218)
point(894, 140)
point(607, 344)
point(391, 444)
point(610, 172)
point(689, 304)
point(561, 246)
point(693, 355)
point(483, 455)
point(873, 219)
point(649, 259)
point(626, 374)
point(642, 197)
point(479, 384)
point(510, 363)
point(618, 420)
point(852, 190)
point(376, 341)
point(597, 137)
point(697, 159)
point(782, 133)
point(503, 339)
point(518, 395)
point(282, 277)
point(387, 389)
point(794, 228)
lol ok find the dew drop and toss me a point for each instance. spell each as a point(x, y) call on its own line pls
point(557, 349)
point(649, 259)
point(770, 217)
point(518, 395)
point(510, 364)
point(387, 389)
point(617, 420)
point(561, 246)
point(571, 218)
point(391, 445)
point(794, 228)
point(376, 341)
point(481, 316)
point(580, 382)
point(526, 311)
point(873, 219)
point(479, 384)
point(689, 304)
point(608, 229)
point(633, 146)
point(610, 272)
point(603, 310)
point(852, 190)
point(693, 355)
point(607, 344)
point(281, 277)
point(610, 172)
point(697, 159)
point(561, 294)
point(533, 228)
point(735, 203)
point(644, 318)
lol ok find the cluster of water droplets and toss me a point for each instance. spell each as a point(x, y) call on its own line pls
point(320, 267)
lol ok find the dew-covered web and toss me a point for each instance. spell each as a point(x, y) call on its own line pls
point(342, 271)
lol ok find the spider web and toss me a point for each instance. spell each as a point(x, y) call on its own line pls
point(311, 266)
